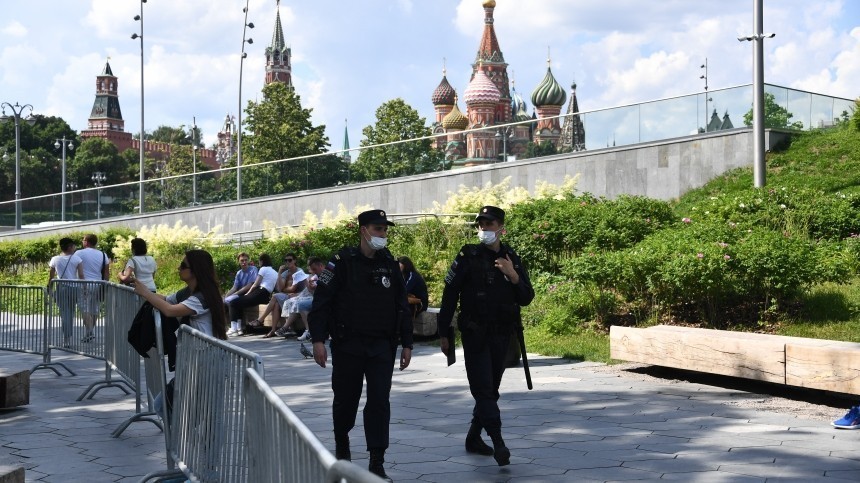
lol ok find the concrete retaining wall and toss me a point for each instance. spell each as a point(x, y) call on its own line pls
point(663, 170)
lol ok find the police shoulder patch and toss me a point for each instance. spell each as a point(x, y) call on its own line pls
point(326, 276)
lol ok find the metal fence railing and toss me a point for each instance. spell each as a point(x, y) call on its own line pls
point(24, 323)
point(208, 421)
point(284, 448)
point(119, 304)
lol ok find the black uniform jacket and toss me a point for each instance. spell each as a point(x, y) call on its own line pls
point(484, 293)
point(358, 296)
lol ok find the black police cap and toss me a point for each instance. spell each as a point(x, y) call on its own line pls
point(491, 213)
point(374, 217)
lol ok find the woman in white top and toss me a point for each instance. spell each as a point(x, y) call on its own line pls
point(140, 268)
point(66, 266)
point(199, 304)
point(259, 293)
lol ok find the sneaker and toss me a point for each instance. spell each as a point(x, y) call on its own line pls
point(850, 420)
point(231, 332)
point(240, 332)
point(282, 332)
point(88, 338)
point(305, 337)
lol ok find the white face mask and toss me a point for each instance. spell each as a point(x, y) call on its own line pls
point(487, 237)
point(377, 243)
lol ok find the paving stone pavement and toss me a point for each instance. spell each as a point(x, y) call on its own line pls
point(578, 424)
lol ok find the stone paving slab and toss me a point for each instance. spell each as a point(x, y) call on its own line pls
point(578, 424)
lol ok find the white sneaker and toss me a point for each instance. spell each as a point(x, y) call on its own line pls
point(305, 337)
point(231, 332)
point(239, 332)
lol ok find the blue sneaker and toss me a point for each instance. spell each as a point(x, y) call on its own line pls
point(850, 420)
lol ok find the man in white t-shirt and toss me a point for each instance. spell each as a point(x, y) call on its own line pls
point(96, 266)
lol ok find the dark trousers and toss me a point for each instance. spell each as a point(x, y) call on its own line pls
point(485, 364)
point(255, 297)
point(353, 361)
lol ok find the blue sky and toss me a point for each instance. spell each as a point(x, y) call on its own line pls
point(351, 56)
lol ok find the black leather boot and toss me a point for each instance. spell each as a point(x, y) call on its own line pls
point(341, 448)
point(501, 453)
point(377, 458)
point(474, 443)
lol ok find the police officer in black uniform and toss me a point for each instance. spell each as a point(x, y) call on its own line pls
point(491, 284)
point(360, 301)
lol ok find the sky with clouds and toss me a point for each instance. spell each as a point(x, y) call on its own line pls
point(351, 56)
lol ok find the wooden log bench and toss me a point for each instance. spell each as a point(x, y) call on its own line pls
point(14, 388)
point(796, 361)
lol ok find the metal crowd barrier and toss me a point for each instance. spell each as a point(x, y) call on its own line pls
point(284, 448)
point(127, 360)
point(109, 339)
point(207, 429)
point(24, 324)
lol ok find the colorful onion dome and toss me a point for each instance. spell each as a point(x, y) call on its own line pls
point(517, 102)
point(444, 93)
point(548, 92)
point(455, 120)
point(481, 90)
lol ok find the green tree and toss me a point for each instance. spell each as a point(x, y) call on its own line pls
point(775, 116)
point(40, 168)
point(279, 128)
point(180, 135)
point(395, 121)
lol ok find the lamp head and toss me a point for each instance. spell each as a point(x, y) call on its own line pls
point(135, 36)
point(57, 145)
point(250, 25)
point(31, 119)
point(137, 17)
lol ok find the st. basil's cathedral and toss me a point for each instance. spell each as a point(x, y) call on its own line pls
point(492, 100)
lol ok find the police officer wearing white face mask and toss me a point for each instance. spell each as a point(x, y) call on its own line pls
point(491, 284)
point(360, 301)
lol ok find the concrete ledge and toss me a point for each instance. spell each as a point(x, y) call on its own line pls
point(11, 474)
point(14, 388)
point(796, 361)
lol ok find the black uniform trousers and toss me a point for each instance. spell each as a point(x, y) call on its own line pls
point(485, 364)
point(353, 361)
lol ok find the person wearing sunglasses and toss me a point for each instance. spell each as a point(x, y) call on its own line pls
point(199, 304)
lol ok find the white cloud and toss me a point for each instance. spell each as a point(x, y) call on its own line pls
point(14, 29)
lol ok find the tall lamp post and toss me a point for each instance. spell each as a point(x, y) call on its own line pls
point(133, 37)
point(17, 109)
point(99, 179)
point(705, 77)
point(72, 186)
point(63, 143)
point(247, 25)
point(758, 92)
point(504, 133)
point(193, 162)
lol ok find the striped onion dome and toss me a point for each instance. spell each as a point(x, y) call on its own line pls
point(444, 93)
point(481, 90)
point(455, 120)
point(518, 105)
point(548, 92)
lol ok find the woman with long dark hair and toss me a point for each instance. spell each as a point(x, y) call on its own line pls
point(416, 288)
point(200, 303)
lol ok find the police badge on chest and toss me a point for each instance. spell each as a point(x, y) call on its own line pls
point(381, 277)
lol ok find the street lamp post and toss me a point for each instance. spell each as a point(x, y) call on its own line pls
point(758, 92)
point(99, 179)
point(72, 186)
point(504, 133)
point(193, 162)
point(17, 109)
point(245, 28)
point(63, 143)
point(140, 169)
point(705, 77)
